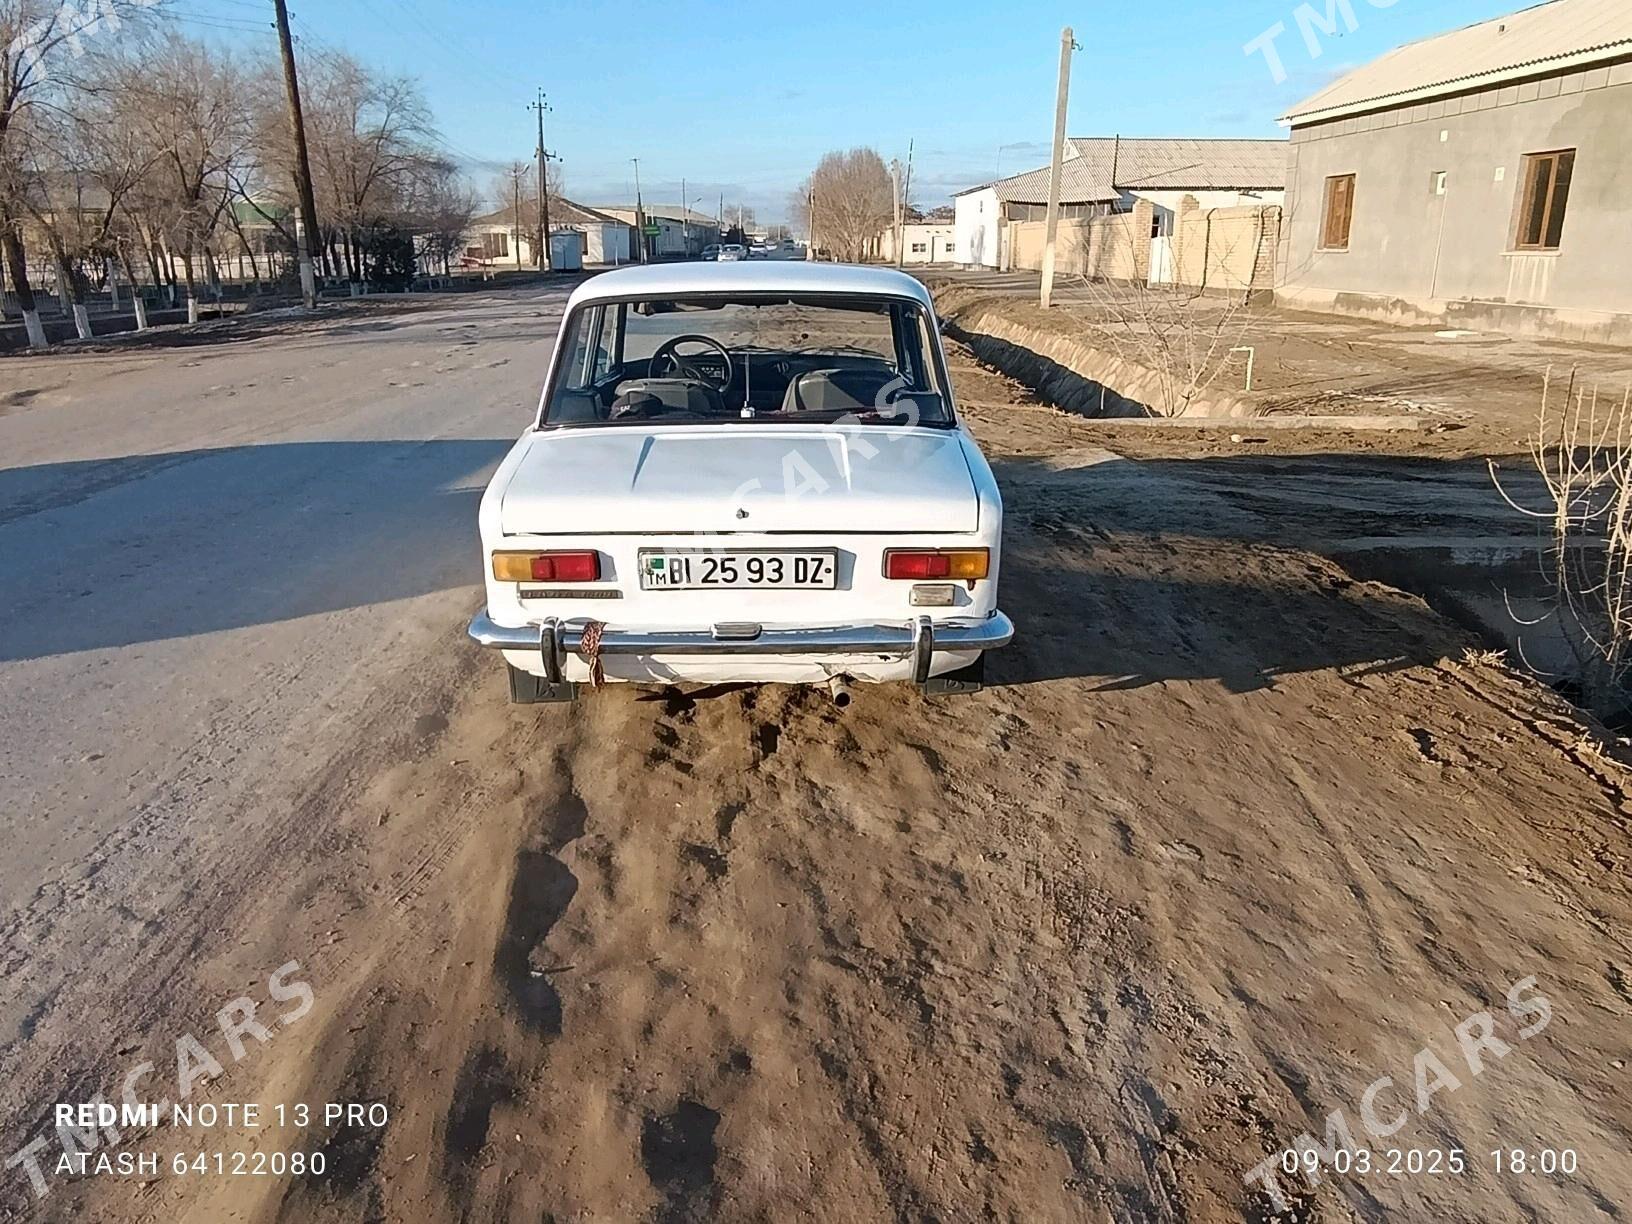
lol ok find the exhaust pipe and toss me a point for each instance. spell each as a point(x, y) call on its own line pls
point(839, 690)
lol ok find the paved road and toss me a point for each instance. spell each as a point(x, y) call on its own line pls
point(1230, 837)
point(217, 561)
point(270, 524)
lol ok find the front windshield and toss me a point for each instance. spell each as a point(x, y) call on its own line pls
point(766, 358)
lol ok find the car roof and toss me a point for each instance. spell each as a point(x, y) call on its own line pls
point(678, 279)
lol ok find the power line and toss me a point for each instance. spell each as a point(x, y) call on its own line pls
point(443, 37)
point(308, 34)
point(218, 21)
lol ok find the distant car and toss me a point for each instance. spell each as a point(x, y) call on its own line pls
point(744, 475)
point(759, 250)
point(711, 251)
point(732, 250)
point(787, 244)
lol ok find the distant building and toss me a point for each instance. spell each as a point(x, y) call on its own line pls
point(496, 241)
point(1110, 174)
point(922, 242)
point(681, 232)
point(1478, 178)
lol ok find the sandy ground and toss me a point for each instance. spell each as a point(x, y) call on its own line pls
point(1473, 394)
point(1230, 837)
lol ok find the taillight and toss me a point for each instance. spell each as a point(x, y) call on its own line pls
point(575, 566)
point(919, 564)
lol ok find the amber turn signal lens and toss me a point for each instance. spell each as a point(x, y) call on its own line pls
point(916, 564)
point(574, 566)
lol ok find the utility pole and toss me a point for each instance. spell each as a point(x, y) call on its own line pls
point(542, 253)
point(895, 200)
point(515, 178)
point(308, 244)
point(906, 202)
point(640, 213)
point(685, 218)
point(1052, 224)
point(810, 239)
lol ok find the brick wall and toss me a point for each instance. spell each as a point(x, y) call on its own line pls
point(1221, 249)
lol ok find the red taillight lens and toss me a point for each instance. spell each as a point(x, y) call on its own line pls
point(572, 567)
point(913, 564)
point(917, 565)
point(575, 566)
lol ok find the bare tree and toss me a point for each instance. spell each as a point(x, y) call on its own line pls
point(845, 202)
point(158, 152)
point(188, 106)
point(514, 191)
point(440, 208)
point(739, 216)
point(262, 181)
point(369, 137)
point(88, 163)
point(1180, 336)
point(1583, 452)
point(39, 40)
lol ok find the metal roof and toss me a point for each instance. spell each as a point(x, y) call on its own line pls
point(1080, 183)
point(666, 212)
point(1099, 168)
point(1552, 37)
point(1201, 165)
point(562, 212)
point(691, 278)
point(579, 214)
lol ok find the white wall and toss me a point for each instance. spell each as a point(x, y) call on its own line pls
point(1167, 202)
point(607, 243)
point(523, 244)
point(939, 243)
point(975, 227)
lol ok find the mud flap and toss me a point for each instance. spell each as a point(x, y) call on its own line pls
point(528, 689)
point(969, 679)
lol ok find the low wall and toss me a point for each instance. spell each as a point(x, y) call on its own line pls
point(1215, 250)
point(1226, 249)
point(14, 335)
point(1100, 248)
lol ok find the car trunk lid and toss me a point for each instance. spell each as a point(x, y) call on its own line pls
point(763, 478)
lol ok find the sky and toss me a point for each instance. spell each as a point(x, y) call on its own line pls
point(744, 100)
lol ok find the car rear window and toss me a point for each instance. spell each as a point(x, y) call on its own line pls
point(763, 358)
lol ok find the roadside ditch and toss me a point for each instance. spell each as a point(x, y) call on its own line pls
point(1427, 523)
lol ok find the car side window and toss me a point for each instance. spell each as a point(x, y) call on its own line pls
point(593, 355)
point(602, 356)
point(583, 331)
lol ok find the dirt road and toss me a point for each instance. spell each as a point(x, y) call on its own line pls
point(1230, 838)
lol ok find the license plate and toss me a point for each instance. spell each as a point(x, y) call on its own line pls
point(691, 571)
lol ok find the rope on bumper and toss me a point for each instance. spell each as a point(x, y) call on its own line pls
point(589, 649)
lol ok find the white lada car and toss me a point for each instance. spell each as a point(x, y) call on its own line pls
point(744, 472)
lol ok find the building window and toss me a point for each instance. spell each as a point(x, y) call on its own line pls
point(1543, 199)
point(495, 245)
point(1334, 230)
point(918, 248)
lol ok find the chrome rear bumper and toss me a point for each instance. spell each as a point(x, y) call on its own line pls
point(916, 639)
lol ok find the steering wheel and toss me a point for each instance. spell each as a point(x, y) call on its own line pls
point(680, 367)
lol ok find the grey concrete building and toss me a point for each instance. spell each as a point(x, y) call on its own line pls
point(1479, 179)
